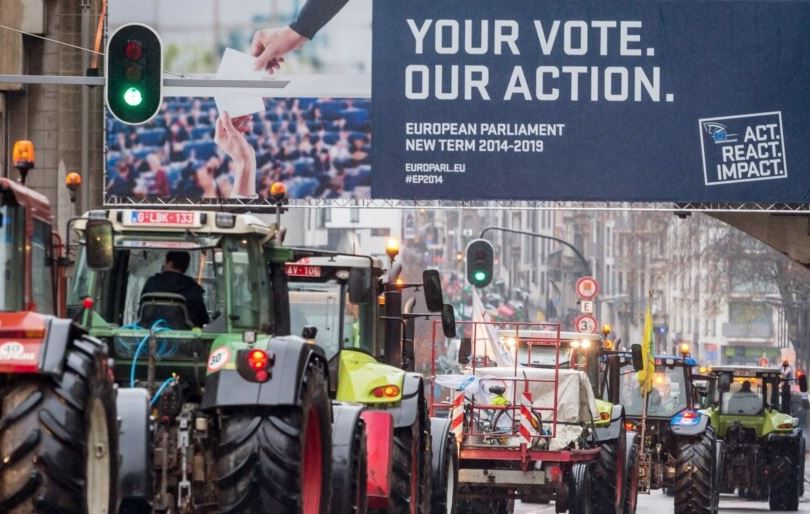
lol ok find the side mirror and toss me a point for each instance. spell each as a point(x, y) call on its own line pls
point(803, 383)
point(724, 382)
point(432, 284)
point(360, 289)
point(98, 236)
point(637, 356)
point(464, 350)
point(448, 320)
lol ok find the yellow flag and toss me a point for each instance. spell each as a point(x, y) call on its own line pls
point(645, 376)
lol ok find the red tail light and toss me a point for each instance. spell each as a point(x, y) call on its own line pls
point(254, 365)
point(555, 472)
point(258, 359)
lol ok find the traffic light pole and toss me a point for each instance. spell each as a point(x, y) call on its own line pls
point(80, 80)
point(585, 264)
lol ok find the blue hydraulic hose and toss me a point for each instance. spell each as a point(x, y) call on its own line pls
point(157, 327)
point(163, 386)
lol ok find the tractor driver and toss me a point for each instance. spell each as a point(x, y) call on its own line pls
point(173, 279)
point(744, 401)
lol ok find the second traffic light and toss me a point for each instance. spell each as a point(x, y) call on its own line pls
point(134, 73)
point(480, 262)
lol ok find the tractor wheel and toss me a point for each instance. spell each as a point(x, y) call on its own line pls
point(785, 481)
point(278, 459)
point(694, 474)
point(581, 490)
point(802, 460)
point(444, 501)
point(631, 480)
point(59, 437)
point(486, 507)
point(410, 472)
point(607, 486)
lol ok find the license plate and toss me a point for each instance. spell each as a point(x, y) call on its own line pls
point(298, 270)
point(168, 218)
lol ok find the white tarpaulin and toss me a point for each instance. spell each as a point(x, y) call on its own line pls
point(486, 336)
point(575, 400)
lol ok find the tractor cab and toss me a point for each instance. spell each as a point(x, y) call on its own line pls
point(672, 386)
point(576, 351)
point(750, 391)
point(32, 278)
point(225, 290)
point(321, 296)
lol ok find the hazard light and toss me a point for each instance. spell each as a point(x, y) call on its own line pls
point(386, 391)
point(686, 418)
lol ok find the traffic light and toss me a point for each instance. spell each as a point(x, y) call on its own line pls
point(134, 73)
point(480, 262)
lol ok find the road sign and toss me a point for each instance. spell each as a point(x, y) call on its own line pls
point(586, 306)
point(587, 288)
point(586, 323)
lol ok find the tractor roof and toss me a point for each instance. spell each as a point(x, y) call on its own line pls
point(541, 333)
point(339, 261)
point(178, 221)
point(748, 371)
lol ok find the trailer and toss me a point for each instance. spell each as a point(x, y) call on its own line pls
point(524, 433)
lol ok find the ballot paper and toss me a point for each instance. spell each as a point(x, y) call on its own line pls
point(236, 65)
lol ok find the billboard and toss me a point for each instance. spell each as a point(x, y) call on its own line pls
point(600, 100)
point(592, 100)
point(209, 144)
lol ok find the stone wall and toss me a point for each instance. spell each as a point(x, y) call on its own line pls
point(50, 115)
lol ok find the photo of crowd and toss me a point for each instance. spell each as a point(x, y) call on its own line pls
point(318, 147)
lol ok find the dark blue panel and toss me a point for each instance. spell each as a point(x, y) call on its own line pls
point(728, 121)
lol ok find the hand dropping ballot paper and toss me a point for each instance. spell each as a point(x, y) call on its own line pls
point(237, 65)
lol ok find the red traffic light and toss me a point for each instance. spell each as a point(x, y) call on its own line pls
point(133, 50)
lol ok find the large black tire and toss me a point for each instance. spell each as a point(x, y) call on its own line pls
point(486, 507)
point(785, 481)
point(60, 437)
point(631, 479)
point(443, 501)
point(695, 488)
point(349, 465)
point(277, 459)
point(607, 486)
point(802, 461)
point(581, 490)
point(410, 471)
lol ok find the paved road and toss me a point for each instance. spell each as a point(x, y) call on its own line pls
point(661, 504)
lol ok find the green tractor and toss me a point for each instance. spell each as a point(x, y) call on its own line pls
point(678, 450)
point(353, 309)
point(224, 412)
point(762, 447)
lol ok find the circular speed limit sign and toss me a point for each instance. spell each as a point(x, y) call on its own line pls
point(585, 324)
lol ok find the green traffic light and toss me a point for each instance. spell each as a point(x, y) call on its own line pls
point(133, 97)
point(479, 276)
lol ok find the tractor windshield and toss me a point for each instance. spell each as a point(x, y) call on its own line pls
point(218, 286)
point(745, 397)
point(12, 235)
point(575, 354)
point(326, 306)
point(668, 395)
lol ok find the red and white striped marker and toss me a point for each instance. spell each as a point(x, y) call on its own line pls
point(457, 414)
point(527, 431)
